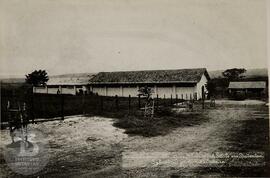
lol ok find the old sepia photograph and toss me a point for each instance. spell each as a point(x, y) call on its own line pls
point(134, 88)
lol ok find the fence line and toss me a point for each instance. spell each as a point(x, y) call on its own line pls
point(48, 106)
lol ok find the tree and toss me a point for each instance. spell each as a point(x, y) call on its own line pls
point(217, 86)
point(37, 78)
point(211, 87)
point(233, 74)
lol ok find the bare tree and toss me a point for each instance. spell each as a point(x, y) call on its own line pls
point(149, 105)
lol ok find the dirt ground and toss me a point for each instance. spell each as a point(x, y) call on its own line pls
point(233, 141)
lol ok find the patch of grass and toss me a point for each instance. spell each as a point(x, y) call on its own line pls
point(252, 136)
point(232, 171)
point(164, 122)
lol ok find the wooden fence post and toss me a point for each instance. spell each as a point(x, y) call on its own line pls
point(176, 98)
point(171, 100)
point(139, 100)
point(164, 102)
point(9, 114)
point(62, 106)
point(157, 102)
point(32, 108)
point(129, 98)
point(203, 97)
point(182, 96)
point(116, 103)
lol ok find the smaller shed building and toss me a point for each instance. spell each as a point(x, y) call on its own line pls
point(65, 84)
point(249, 88)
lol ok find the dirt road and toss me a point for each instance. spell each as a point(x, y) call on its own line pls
point(232, 129)
point(94, 148)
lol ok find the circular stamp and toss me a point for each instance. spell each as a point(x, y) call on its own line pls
point(28, 153)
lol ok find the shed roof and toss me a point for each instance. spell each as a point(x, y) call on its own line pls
point(70, 79)
point(151, 76)
point(247, 85)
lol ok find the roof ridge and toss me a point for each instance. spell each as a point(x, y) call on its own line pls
point(201, 68)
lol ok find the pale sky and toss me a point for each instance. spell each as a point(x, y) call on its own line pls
point(77, 36)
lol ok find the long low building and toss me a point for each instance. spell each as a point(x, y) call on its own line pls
point(249, 88)
point(66, 84)
point(182, 83)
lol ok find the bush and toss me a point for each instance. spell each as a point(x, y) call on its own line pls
point(164, 111)
point(158, 125)
point(138, 126)
point(239, 96)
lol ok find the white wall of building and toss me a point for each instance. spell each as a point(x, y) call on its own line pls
point(52, 90)
point(161, 91)
point(63, 89)
point(68, 90)
point(39, 89)
point(99, 90)
point(199, 85)
point(132, 91)
point(112, 91)
point(185, 92)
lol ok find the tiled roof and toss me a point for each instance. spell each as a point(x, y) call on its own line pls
point(151, 76)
